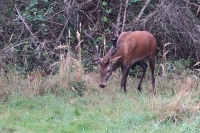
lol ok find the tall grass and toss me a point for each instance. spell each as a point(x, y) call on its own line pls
point(69, 76)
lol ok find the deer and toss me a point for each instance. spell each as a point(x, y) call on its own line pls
point(129, 49)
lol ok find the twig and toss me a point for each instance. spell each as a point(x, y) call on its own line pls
point(148, 17)
point(5, 51)
point(27, 27)
point(124, 19)
point(171, 115)
point(186, 1)
point(57, 41)
point(51, 33)
point(164, 58)
point(55, 23)
point(198, 63)
point(118, 21)
point(142, 10)
point(55, 14)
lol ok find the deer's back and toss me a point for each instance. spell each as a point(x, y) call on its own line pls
point(135, 46)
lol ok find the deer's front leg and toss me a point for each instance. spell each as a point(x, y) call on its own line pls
point(124, 77)
point(144, 66)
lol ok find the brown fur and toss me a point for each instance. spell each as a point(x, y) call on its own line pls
point(132, 48)
point(138, 45)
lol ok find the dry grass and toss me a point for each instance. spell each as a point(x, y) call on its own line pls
point(70, 71)
point(184, 99)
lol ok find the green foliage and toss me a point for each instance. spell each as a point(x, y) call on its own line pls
point(104, 3)
point(177, 66)
point(31, 5)
point(105, 19)
point(108, 11)
point(136, 71)
point(131, 1)
point(134, 1)
point(35, 12)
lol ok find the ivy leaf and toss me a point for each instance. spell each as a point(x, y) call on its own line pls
point(104, 3)
point(33, 10)
point(134, 1)
point(27, 8)
point(105, 19)
point(35, 1)
point(31, 4)
point(24, 14)
point(40, 17)
point(108, 11)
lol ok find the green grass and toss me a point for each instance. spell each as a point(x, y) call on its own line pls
point(99, 111)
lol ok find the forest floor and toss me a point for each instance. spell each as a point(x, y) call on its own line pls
point(175, 109)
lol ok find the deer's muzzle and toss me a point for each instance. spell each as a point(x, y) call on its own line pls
point(102, 85)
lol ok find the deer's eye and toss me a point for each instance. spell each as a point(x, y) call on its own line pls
point(108, 71)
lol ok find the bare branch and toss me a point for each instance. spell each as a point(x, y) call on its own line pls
point(142, 10)
point(124, 19)
point(118, 21)
point(58, 40)
point(94, 49)
point(27, 27)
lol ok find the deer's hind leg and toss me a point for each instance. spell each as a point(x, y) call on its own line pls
point(144, 66)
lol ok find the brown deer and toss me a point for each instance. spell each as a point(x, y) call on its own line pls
point(131, 48)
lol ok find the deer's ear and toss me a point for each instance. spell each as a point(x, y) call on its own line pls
point(114, 60)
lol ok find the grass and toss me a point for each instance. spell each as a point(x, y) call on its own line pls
point(120, 113)
point(176, 109)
